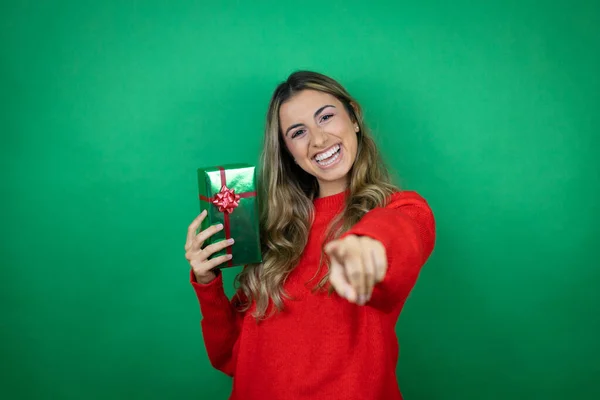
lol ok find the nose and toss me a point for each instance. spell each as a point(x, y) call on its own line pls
point(319, 137)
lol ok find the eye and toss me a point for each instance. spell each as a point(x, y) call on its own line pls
point(326, 117)
point(297, 133)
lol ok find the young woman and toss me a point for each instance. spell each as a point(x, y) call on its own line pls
point(343, 248)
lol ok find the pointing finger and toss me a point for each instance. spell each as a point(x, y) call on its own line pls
point(339, 281)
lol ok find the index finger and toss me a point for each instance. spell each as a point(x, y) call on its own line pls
point(339, 281)
point(193, 227)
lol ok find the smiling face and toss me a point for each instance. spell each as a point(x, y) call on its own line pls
point(320, 135)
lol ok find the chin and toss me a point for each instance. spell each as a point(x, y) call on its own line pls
point(333, 175)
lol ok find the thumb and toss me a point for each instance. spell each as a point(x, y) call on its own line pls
point(339, 281)
point(335, 249)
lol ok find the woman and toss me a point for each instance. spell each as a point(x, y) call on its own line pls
point(342, 250)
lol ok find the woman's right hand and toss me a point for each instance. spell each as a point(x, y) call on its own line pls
point(197, 256)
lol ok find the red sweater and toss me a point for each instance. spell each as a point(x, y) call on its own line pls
point(324, 347)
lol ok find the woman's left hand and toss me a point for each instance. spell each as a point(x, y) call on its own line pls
point(357, 264)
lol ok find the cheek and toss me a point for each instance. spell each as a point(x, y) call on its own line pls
point(346, 133)
point(292, 147)
point(339, 126)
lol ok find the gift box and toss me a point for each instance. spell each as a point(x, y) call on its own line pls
point(229, 195)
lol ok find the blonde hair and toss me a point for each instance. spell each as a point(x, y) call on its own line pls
point(287, 193)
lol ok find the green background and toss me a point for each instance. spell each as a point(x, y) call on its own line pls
point(491, 111)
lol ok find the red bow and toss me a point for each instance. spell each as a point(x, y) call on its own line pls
point(227, 200)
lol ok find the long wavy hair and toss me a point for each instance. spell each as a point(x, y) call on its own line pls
point(287, 193)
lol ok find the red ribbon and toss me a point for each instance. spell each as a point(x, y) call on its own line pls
point(226, 200)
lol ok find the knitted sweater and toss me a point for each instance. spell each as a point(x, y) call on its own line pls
point(322, 346)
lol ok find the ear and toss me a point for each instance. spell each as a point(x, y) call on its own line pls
point(355, 111)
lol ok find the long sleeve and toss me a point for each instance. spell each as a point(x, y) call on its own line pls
point(221, 323)
point(406, 228)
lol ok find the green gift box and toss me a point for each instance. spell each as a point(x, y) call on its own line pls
point(229, 195)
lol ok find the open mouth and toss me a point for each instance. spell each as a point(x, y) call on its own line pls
point(328, 157)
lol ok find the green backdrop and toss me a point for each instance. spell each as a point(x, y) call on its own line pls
point(491, 111)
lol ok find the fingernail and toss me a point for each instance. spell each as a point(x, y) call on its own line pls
point(230, 241)
point(229, 256)
point(220, 226)
point(362, 299)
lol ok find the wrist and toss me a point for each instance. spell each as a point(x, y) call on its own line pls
point(205, 279)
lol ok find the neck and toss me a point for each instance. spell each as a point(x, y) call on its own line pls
point(327, 189)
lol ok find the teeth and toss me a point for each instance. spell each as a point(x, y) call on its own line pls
point(329, 157)
point(329, 161)
point(323, 156)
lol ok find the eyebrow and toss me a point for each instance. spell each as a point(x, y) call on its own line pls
point(314, 115)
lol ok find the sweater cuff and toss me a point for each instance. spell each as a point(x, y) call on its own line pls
point(210, 295)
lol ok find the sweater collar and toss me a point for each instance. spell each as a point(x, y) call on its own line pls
point(331, 203)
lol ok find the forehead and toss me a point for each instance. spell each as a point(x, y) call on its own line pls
point(304, 104)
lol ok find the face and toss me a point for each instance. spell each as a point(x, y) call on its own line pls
point(321, 137)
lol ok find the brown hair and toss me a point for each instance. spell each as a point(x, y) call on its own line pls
point(287, 194)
